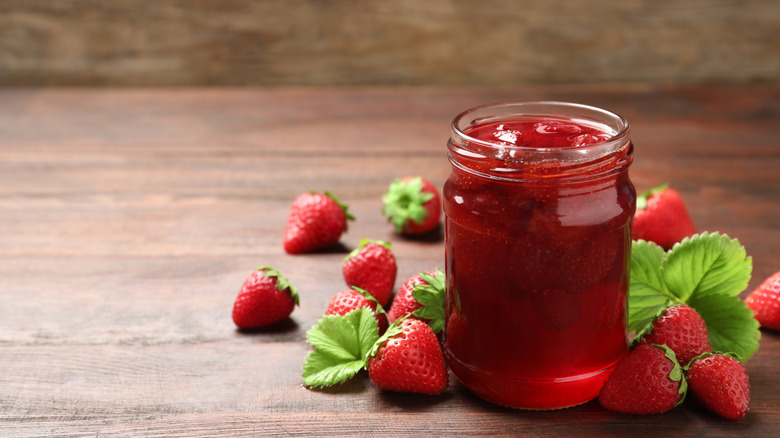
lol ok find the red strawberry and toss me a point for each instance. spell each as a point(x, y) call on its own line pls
point(409, 360)
point(765, 302)
point(682, 329)
point(647, 381)
point(661, 217)
point(422, 297)
point(413, 205)
point(351, 299)
point(720, 383)
point(316, 220)
point(371, 266)
point(265, 297)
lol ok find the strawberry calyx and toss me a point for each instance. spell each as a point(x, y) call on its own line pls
point(343, 206)
point(676, 374)
point(393, 330)
point(641, 199)
point(364, 242)
point(712, 353)
point(404, 202)
point(431, 296)
point(379, 309)
point(282, 282)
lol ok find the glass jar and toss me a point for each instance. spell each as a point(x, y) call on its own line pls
point(538, 210)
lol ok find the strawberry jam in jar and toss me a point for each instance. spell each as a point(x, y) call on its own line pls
point(538, 211)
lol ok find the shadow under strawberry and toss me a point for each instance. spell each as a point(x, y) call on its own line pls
point(285, 326)
point(336, 248)
point(410, 402)
point(436, 235)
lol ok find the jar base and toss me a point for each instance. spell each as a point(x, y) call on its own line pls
point(529, 394)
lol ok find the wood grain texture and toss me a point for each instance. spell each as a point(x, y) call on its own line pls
point(347, 42)
point(130, 218)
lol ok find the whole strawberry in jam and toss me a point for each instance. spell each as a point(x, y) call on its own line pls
point(412, 205)
point(764, 301)
point(265, 297)
point(661, 217)
point(350, 299)
point(316, 220)
point(682, 329)
point(409, 360)
point(371, 266)
point(647, 381)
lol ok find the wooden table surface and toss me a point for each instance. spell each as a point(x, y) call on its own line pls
point(130, 218)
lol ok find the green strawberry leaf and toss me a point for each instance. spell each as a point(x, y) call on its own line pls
point(431, 296)
point(320, 370)
point(341, 346)
point(706, 272)
point(282, 283)
point(731, 326)
point(707, 264)
point(647, 292)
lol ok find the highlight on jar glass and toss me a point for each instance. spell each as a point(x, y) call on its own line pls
point(537, 214)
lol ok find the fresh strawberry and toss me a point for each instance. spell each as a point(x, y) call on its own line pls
point(661, 217)
point(408, 360)
point(371, 266)
point(265, 297)
point(764, 301)
point(412, 205)
point(720, 383)
point(422, 297)
point(350, 299)
point(647, 381)
point(316, 220)
point(682, 329)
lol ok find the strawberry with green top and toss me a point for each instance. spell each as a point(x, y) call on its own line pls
point(422, 297)
point(647, 381)
point(409, 360)
point(681, 329)
point(661, 217)
point(266, 297)
point(348, 300)
point(316, 220)
point(406, 358)
point(720, 383)
point(371, 266)
point(412, 205)
point(764, 301)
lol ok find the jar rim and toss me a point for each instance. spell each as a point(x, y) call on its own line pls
point(618, 125)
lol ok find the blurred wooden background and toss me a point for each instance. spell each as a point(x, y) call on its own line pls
point(409, 42)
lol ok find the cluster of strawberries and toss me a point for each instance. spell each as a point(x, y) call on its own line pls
point(317, 220)
point(662, 217)
point(673, 355)
point(670, 358)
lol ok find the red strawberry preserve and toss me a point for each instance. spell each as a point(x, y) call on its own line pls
point(538, 211)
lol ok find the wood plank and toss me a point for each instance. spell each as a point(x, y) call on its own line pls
point(347, 42)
